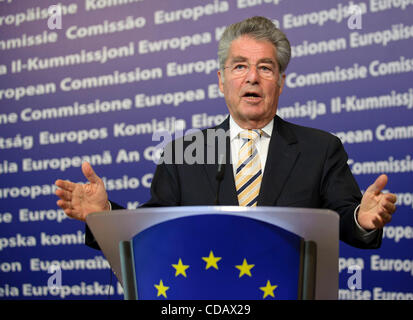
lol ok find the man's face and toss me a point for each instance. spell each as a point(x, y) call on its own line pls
point(252, 99)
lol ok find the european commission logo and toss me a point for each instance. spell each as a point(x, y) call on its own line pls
point(216, 257)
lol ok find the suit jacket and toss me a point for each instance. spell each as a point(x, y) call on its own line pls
point(305, 167)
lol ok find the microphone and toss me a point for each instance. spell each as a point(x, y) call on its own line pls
point(219, 176)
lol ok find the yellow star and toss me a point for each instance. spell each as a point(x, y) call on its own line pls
point(268, 290)
point(161, 289)
point(180, 268)
point(245, 268)
point(211, 261)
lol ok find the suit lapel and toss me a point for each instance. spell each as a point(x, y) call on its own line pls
point(227, 194)
point(282, 155)
point(281, 158)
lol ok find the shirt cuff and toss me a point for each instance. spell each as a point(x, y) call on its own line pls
point(363, 233)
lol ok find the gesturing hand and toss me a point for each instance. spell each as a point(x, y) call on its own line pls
point(376, 208)
point(78, 200)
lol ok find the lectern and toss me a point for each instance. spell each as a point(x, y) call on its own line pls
point(221, 252)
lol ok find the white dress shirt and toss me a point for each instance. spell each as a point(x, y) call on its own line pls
point(262, 143)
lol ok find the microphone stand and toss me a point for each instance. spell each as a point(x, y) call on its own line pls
point(219, 177)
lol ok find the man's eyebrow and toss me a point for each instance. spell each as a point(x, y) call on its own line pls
point(238, 59)
point(267, 60)
point(244, 59)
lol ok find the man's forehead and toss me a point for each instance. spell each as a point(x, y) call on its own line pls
point(245, 47)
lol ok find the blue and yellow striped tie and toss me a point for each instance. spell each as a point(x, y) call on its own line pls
point(248, 174)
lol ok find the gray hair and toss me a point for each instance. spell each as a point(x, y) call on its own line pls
point(258, 28)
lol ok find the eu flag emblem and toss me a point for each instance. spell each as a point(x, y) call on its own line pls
point(216, 257)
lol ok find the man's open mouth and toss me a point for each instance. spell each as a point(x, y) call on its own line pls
point(252, 94)
point(252, 97)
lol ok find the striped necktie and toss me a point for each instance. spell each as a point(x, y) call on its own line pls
point(248, 174)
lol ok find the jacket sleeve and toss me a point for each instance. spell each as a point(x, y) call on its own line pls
point(341, 193)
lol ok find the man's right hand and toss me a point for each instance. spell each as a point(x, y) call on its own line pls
point(78, 200)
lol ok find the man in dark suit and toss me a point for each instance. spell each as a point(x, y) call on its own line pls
point(268, 161)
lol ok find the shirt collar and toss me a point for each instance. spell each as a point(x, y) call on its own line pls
point(235, 129)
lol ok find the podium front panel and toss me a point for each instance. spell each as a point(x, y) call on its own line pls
point(217, 257)
point(318, 225)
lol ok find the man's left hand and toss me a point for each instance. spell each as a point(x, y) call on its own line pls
point(376, 208)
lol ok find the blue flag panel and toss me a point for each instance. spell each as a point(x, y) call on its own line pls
point(216, 257)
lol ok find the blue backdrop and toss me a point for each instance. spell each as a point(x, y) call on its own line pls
point(117, 71)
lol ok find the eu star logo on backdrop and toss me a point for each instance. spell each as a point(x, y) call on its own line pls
point(216, 257)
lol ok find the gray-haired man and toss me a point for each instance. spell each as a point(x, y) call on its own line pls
point(290, 165)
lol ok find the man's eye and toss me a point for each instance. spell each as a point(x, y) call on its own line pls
point(239, 67)
point(265, 68)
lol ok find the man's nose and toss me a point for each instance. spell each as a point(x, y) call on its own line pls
point(252, 74)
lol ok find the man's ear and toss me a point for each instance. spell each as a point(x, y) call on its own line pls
point(220, 81)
